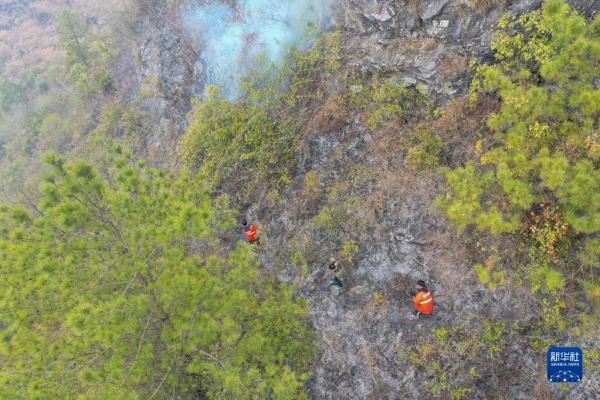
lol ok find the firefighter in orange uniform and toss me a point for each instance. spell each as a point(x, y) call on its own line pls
point(423, 299)
point(251, 233)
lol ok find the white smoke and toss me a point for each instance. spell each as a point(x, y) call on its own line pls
point(232, 34)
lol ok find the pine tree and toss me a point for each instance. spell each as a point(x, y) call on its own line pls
point(547, 129)
point(544, 151)
point(121, 288)
point(88, 55)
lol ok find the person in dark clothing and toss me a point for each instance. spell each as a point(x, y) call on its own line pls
point(335, 267)
point(335, 281)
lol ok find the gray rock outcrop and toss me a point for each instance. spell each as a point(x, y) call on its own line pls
point(428, 42)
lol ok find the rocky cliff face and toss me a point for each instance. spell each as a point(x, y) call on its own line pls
point(168, 75)
point(365, 329)
point(364, 326)
point(429, 42)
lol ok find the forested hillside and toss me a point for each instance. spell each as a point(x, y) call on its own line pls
point(451, 142)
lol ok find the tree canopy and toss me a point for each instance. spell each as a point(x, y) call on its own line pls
point(121, 287)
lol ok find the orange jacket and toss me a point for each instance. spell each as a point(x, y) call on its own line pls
point(252, 233)
point(424, 302)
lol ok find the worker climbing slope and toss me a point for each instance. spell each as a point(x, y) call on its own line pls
point(335, 267)
point(251, 233)
point(423, 299)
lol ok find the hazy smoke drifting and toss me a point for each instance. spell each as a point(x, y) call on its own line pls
point(232, 33)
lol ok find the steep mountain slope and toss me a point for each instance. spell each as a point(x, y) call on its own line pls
point(344, 150)
point(355, 195)
point(356, 198)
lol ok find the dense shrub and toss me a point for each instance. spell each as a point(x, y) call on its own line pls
point(235, 143)
point(243, 144)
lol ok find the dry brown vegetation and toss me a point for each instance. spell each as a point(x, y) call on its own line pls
point(486, 5)
point(461, 124)
point(451, 67)
point(28, 35)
